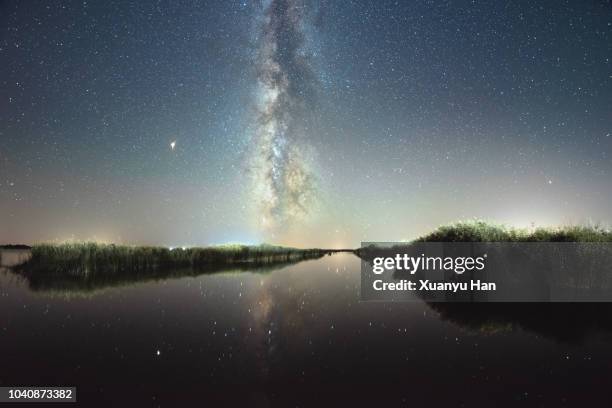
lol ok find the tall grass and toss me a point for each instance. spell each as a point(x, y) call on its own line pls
point(93, 258)
point(481, 231)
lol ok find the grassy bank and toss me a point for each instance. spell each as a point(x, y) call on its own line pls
point(481, 231)
point(92, 258)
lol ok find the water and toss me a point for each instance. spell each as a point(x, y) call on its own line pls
point(295, 336)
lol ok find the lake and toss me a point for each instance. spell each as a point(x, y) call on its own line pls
point(296, 335)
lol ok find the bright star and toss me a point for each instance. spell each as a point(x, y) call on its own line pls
point(173, 144)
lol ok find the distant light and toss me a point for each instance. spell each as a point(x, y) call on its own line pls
point(173, 144)
point(549, 181)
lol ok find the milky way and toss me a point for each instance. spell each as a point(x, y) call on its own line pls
point(283, 177)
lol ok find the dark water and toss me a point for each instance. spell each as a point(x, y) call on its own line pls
point(297, 336)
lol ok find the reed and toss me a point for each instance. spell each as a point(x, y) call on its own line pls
point(482, 231)
point(94, 258)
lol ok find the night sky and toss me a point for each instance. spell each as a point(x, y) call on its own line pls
point(298, 122)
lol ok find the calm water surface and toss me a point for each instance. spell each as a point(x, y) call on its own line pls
point(294, 336)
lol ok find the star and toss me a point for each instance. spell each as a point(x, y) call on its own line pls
point(172, 145)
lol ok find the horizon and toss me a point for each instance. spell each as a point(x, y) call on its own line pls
point(526, 230)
